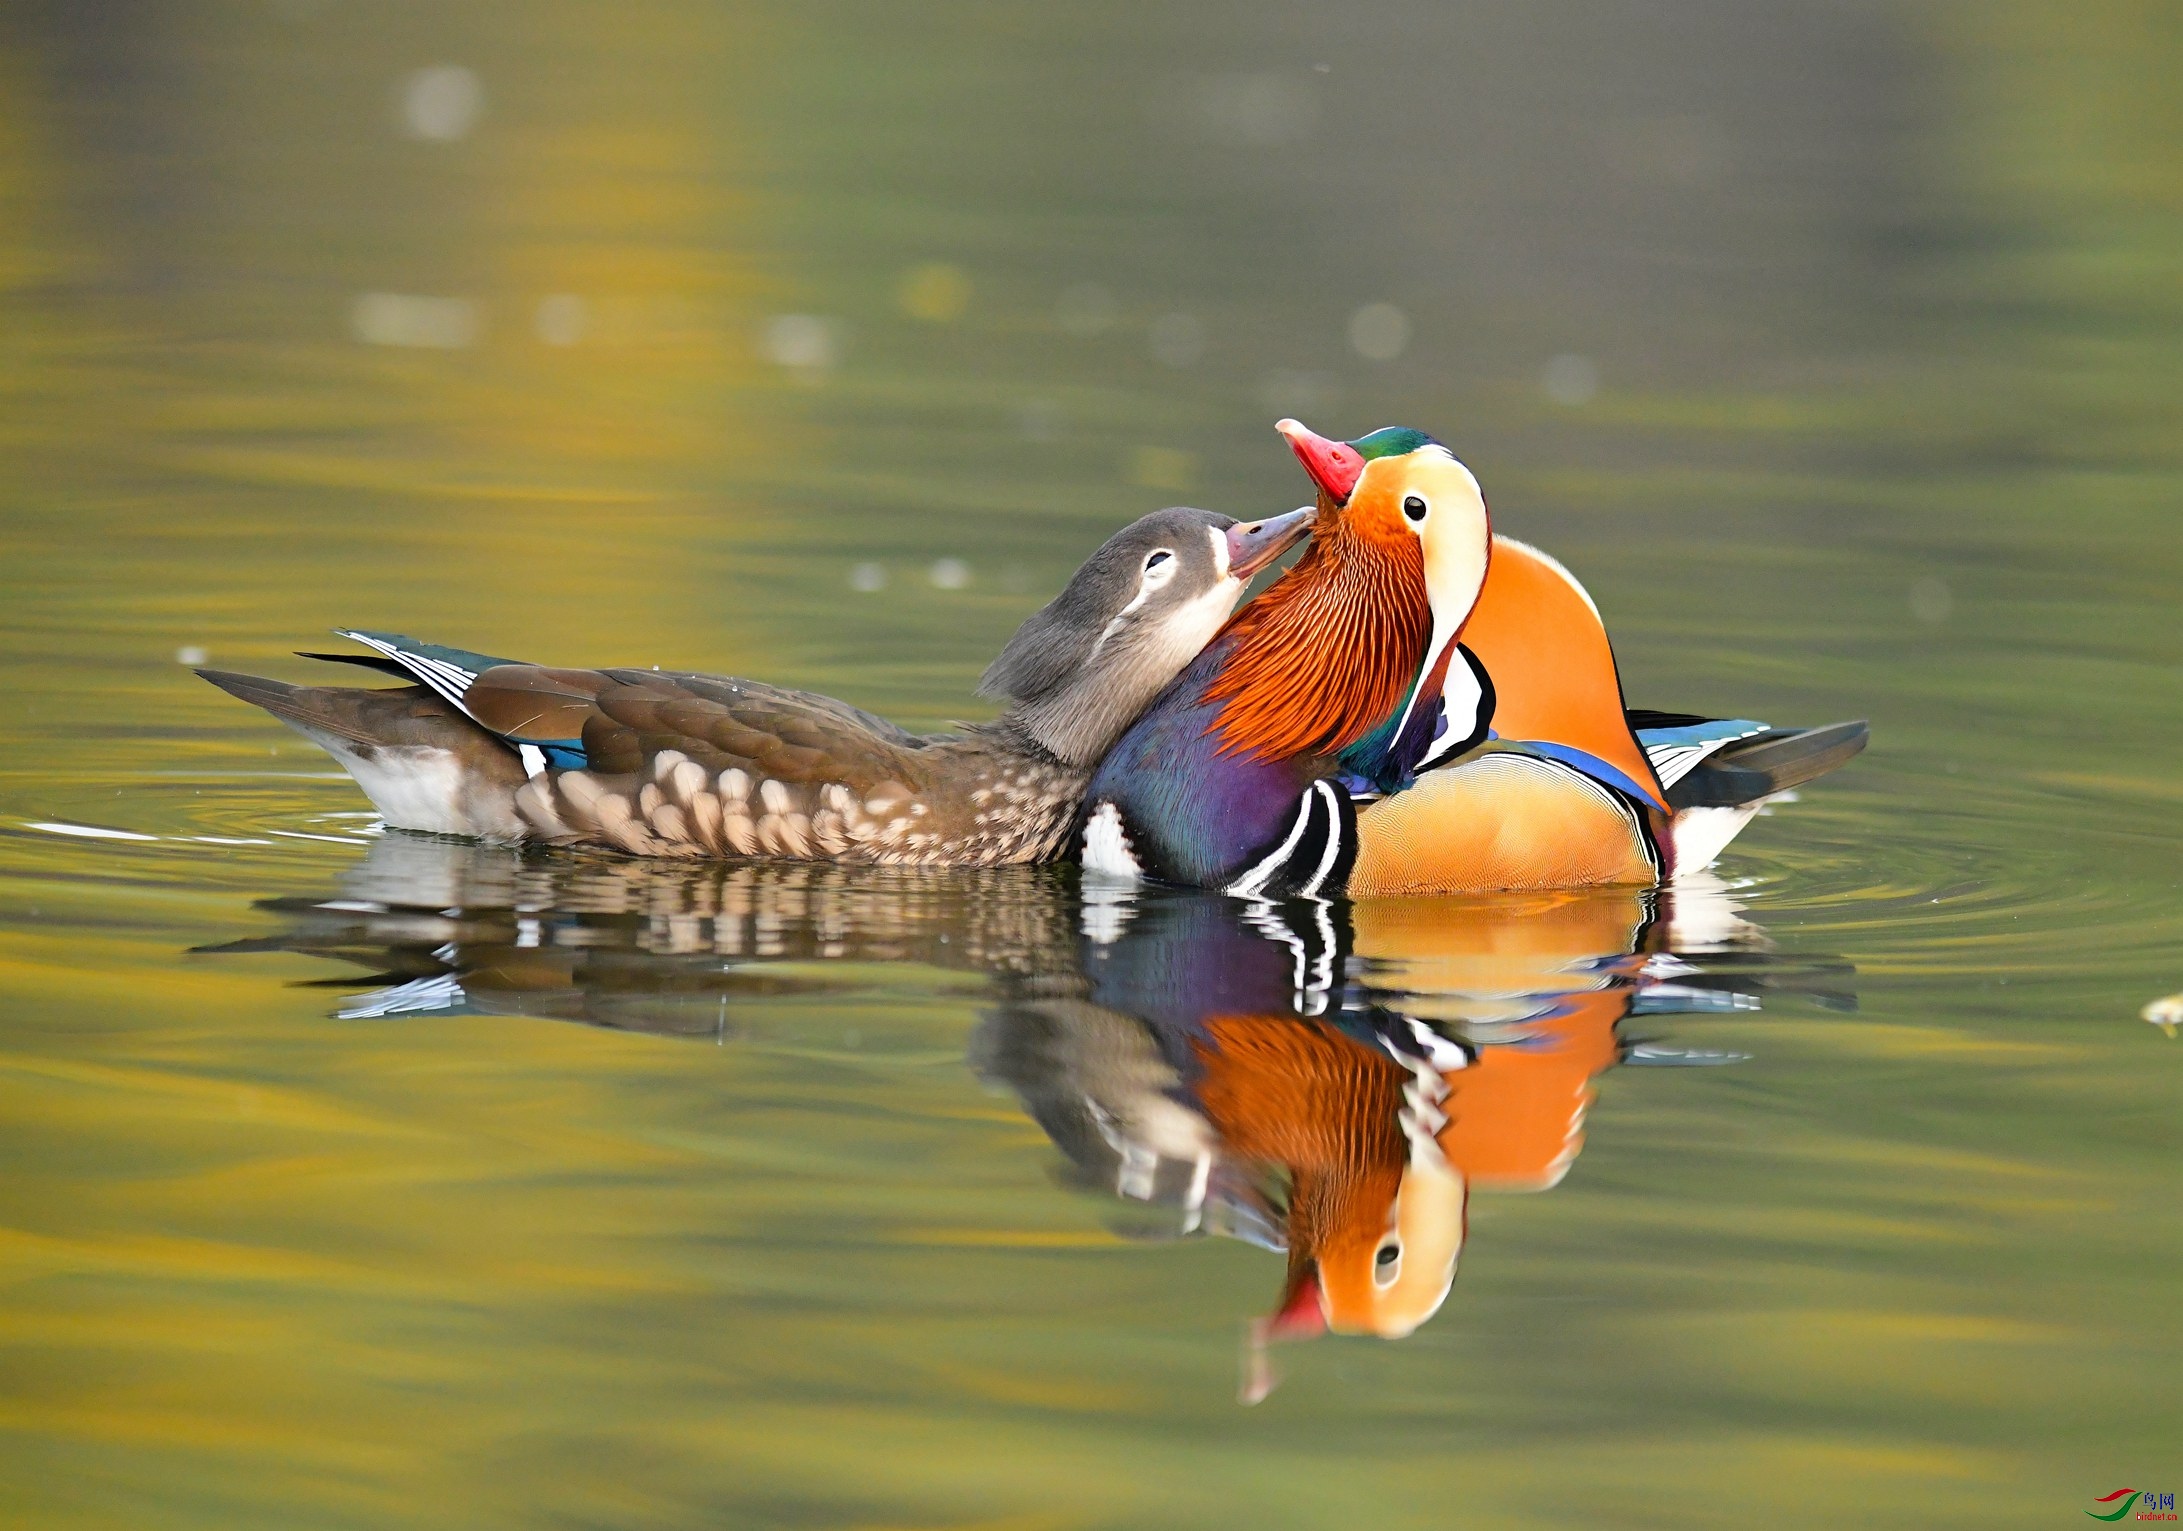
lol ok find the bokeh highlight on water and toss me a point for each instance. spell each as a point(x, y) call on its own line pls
point(1833, 346)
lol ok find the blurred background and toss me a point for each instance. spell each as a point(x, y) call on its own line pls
point(1834, 343)
point(591, 329)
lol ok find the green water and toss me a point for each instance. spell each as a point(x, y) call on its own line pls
point(1837, 348)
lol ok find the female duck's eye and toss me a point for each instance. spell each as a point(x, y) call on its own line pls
point(1162, 556)
point(1414, 508)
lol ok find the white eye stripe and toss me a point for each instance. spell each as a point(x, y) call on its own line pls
point(1155, 575)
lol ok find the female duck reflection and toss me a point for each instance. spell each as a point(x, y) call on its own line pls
point(1330, 1081)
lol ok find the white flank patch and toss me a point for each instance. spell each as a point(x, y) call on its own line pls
point(1701, 834)
point(415, 788)
point(1106, 846)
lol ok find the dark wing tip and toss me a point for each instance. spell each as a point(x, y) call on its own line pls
point(1767, 763)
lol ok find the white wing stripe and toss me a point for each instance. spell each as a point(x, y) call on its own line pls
point(1672, 762)
point(449, 680)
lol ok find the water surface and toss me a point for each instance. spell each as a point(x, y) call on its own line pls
point(1835, 347)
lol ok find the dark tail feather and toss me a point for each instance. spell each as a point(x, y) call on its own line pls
point(378, 662)
point(1760, 766)
point(408, 715)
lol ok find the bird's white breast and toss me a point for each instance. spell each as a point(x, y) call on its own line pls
point(1106, 846)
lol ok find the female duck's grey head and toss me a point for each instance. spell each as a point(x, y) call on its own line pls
point(1083, 666)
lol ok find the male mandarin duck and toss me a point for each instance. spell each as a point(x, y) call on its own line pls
point(1423, 705)
point(676, 764)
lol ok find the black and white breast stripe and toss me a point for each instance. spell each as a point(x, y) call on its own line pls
point(1316, 853)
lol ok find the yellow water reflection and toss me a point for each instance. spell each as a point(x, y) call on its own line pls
point(1257, 1070)
point(1833, 346)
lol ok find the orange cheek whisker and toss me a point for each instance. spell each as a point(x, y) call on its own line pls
point(1327, 654)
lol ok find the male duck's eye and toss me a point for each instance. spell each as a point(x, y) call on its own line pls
point(1414, 508)
point(1162, 556)
point(1387, 1264)
point(1388, 1255)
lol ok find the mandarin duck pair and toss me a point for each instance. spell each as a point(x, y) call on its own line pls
point(1420, 705)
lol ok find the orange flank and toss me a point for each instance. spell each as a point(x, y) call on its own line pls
point(1554, 680)
point(1499, 821)
point(1504, 820)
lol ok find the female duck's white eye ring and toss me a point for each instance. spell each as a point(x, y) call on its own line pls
point(1414, 507)
point(1154, 560)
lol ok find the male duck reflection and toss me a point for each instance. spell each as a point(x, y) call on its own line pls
point(1338, 1096)
point(1421, 705)
point(674, 764)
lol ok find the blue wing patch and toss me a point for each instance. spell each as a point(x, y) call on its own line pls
point(1676, 752)
point(450, 673)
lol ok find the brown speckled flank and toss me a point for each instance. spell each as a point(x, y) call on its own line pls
point(985, 809)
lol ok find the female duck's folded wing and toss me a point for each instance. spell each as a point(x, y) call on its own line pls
point(660, 763)
point(651, 762)
point(618, 721)
point(621, 720)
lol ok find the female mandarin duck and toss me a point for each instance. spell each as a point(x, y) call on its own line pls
point(675, 764)
point(1422, 705)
